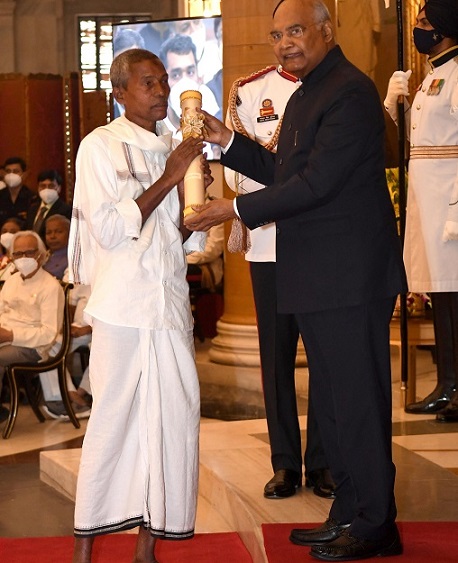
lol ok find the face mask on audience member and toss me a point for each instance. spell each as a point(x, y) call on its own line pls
point(426, 39)
point(48, 195)
point(26, 265)
point(5, 240)
point(12, 180)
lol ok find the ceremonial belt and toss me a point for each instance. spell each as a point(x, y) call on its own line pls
point(447, 151)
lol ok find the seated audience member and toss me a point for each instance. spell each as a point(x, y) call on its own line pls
point(49, 185)
point(9, 228)
point(81, 336)
point(31, 306)
point(212, 256)
point(2, 175)
point(16, 198)
point(57, 228)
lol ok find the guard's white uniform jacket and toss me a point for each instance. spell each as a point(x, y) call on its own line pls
point(259, 102)
point(431, 262)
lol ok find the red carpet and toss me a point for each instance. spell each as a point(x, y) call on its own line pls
point(119, 548)
point(424, 542)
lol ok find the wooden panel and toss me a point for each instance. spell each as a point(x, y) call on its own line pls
point(45, 125)
point(32, 122)
point(94, 111)
point(13, 121)
point(72, 127)
point(248, 8)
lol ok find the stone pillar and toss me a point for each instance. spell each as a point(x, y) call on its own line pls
point(8, 59)
point(245, 50)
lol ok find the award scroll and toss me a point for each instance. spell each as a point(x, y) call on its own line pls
point(192, 124)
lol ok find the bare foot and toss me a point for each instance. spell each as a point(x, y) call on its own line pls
point(144, 550)
point(82, 550)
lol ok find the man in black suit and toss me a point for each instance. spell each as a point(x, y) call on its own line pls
point(49, 188)
point(15, 197)
point(339, 268)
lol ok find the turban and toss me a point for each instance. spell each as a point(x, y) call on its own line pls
point(443, 16)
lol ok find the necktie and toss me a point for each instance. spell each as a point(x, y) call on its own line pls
point(39, 219)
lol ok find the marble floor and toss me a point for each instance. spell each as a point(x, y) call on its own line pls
point(38, 467)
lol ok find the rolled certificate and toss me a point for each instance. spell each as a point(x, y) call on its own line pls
point(192, 124)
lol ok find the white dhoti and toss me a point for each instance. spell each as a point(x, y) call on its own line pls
point(139, 463)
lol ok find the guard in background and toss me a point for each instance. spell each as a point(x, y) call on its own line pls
point(256, 107)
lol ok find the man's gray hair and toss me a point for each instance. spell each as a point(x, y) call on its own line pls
point(319, 7)
point(59, 217)
point(120, 67)
point(41, 245)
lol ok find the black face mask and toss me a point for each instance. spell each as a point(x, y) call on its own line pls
point(426, 39)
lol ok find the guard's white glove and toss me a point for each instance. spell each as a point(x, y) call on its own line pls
point(450, 231)
point(397, 86)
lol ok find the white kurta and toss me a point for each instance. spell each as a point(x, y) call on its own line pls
point(140, 454)
point(269, 92)
point(431, 263)
point(33, 309)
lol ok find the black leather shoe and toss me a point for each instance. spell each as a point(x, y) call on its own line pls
point(283, 484)
point(449, 414)
point(327, 532)
point(434, 402)
point(322, 483)
point(348, 548)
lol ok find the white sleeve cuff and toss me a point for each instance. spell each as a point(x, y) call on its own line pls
point(234, 203)
point(229, 144)
point(132, 216)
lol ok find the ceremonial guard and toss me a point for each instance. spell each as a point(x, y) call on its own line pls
point(256, 106)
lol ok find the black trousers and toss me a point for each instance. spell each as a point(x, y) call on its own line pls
point(445, 317)
point(349, 363)
point(278, 340)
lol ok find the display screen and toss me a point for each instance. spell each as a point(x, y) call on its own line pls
point(191, 51)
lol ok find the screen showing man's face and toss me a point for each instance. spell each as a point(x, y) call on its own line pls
point(181, 66)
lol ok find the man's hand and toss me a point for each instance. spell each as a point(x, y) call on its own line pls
point(180, 159)
point(76, 331)
point(213, 213)
point(215, 131)
point(5, 335)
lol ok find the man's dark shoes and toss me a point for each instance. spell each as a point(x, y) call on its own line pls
point(449, 414)
point(434, 402)
point(283, 484)
point(348, 548)
point(322, 483)
point(327, 532)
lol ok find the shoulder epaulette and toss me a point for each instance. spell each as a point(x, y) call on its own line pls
point(255, 75)
point(233, 97)
point(284, 74)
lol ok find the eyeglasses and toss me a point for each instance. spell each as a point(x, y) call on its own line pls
point(294, 32)
point(26, 253)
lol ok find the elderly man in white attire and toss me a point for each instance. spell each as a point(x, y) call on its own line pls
point(139, 460)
